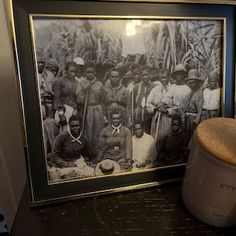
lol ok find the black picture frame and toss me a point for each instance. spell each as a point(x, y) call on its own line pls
point(40, 191)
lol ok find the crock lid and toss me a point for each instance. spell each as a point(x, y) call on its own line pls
point(218, 137)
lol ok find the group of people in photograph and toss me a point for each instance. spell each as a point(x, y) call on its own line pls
point(131, 116)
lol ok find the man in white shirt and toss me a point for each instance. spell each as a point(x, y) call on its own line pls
point(181, 92)
point(144, 148)
point(160, 104)
point(211, 97)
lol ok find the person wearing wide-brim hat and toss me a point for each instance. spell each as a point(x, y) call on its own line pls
point(52, 65)
point(80, 68)
point(107, 167)
point(211, 97)
point(179, 74)
point(194, 110)
point(194, 75)
point(181, 92)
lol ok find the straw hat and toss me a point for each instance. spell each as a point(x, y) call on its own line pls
point(79, 61)
point(107, 167)
point(52, 63)
point(179, 69)
point(194, 75)
point(214, 75)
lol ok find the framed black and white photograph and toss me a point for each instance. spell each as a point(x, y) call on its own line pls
point(111, 95)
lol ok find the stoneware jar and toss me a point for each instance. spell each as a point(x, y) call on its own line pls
point(209, 187)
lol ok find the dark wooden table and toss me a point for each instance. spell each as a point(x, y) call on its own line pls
point(153, 211)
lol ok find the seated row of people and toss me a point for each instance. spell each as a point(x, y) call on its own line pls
point(115, 143)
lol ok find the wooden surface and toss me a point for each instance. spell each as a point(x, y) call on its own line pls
point(153, 211)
